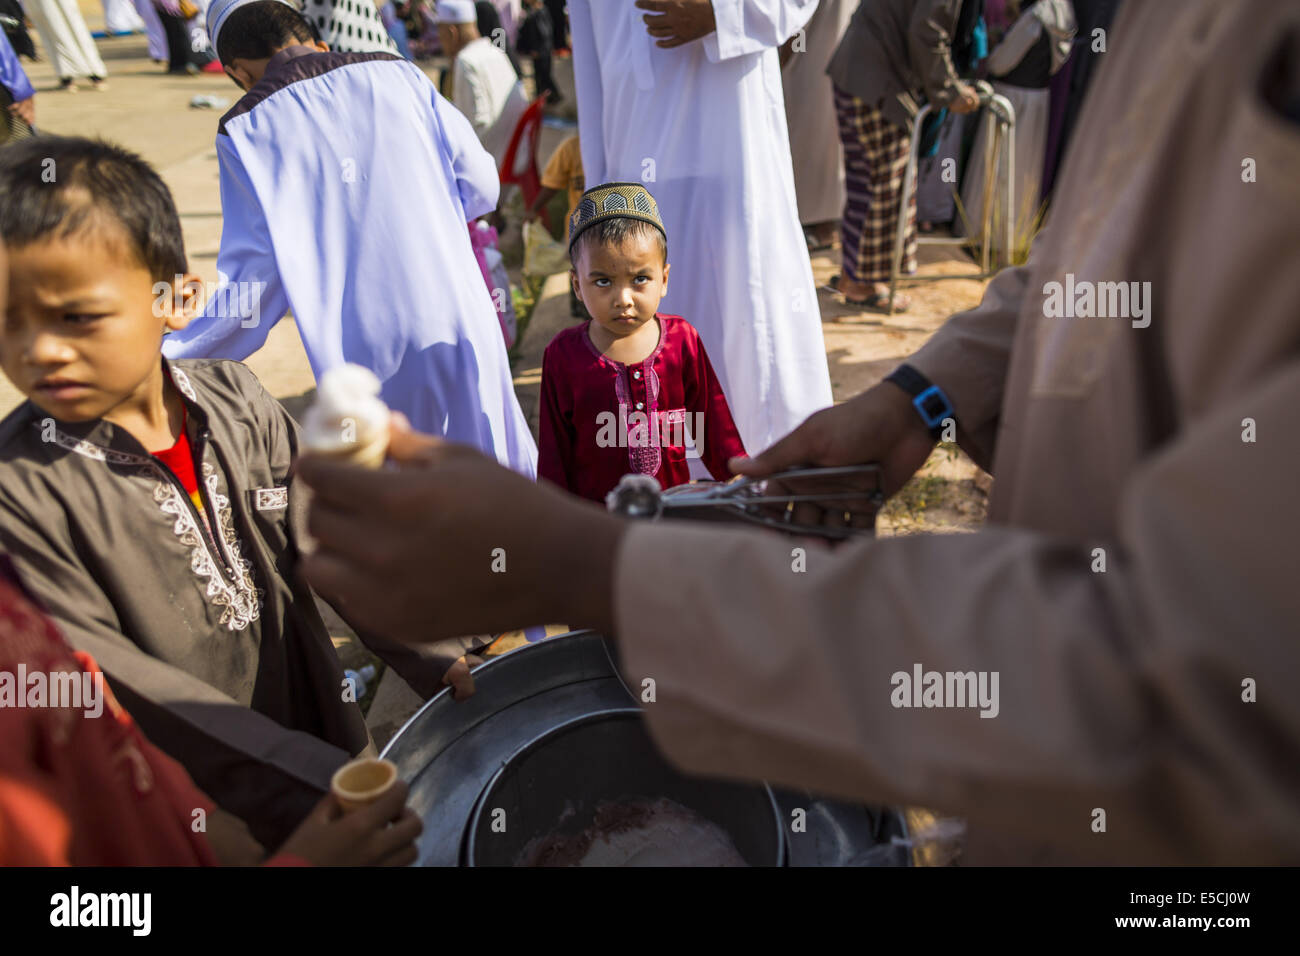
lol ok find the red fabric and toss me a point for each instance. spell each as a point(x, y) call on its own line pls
point(180, 460)
point(526, 135)
point(676, 382)
point(82, 790)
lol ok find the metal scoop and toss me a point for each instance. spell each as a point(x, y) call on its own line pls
point(757, 501)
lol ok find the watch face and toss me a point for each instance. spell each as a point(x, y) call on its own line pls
point(934, 407)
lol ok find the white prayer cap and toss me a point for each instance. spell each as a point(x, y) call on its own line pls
point(220, 10)
point(456, 11)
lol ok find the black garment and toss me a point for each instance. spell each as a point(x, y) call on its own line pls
point(543, 78)
point(180, 48)
point(534, 40)
point(1034, 71)
point(1091, 15)
point(11, 18)
point(559, 24)
point(535, 33)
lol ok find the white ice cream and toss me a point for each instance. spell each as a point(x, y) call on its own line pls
point(638, 833)
point(667, 839)
point(348, 412)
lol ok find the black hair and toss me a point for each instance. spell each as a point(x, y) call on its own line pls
point(52, 187)
point(489, 19)
point(616, 231)
point(256, 31)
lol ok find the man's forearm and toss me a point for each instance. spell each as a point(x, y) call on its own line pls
point(577, 585)
point(969, 358)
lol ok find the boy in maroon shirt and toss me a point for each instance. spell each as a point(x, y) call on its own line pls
point(628, 390)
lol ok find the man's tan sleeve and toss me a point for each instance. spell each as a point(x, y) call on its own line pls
point(1158, 691)
point(969, 357)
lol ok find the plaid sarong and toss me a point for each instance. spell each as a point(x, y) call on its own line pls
point(875, 160)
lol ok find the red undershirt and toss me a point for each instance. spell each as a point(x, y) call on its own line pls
point(180, 460)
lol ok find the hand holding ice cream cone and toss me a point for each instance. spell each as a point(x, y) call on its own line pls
point(359, 783)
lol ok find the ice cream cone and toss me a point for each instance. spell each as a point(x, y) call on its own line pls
point(359, 783)
point(349, 421)
point(368, 455)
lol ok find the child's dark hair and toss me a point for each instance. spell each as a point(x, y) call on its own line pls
point(615, 232)
point(52, 187)
point(256, 31)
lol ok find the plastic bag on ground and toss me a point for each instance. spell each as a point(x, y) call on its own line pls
point(543, 256)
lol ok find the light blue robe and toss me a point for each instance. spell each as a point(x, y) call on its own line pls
point(12, 76)
point(346, 185)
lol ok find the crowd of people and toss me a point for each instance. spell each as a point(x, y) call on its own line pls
point(164, 525)
point(178, 38)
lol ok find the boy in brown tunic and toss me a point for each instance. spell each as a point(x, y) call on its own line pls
point(148, 503)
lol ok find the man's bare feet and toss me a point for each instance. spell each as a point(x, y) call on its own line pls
point(820, 236)
point(854, 292)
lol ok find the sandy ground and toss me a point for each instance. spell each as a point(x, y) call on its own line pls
point(148, 111)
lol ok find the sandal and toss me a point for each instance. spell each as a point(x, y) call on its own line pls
point(816, 245)
point(833, 285)
point(879, 302)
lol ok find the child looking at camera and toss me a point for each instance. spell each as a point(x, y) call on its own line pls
point(630, 390)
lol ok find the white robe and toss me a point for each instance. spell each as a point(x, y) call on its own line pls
point(347, 194)
point(702, 126)
point(65, 39)
point(120, 17)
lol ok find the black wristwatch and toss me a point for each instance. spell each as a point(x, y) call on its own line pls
point(927, 398)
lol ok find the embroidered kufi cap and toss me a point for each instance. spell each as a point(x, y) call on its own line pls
point(614, 201)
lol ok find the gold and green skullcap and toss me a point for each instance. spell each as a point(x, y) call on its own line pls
point(614, 201)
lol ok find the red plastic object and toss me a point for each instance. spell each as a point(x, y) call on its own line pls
point(529, 181)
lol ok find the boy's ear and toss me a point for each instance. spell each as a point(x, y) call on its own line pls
point(239, 73)
point(577, 289)
point(666, 268)
point(322, 46)
point(187, 298)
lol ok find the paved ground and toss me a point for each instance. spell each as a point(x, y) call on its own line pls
point(148, 111)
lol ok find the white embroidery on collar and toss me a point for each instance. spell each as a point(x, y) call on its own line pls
point(97, 452)
point(241, 602)
point(183, 383)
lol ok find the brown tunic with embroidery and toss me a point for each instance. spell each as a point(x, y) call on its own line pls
point(213, 642)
